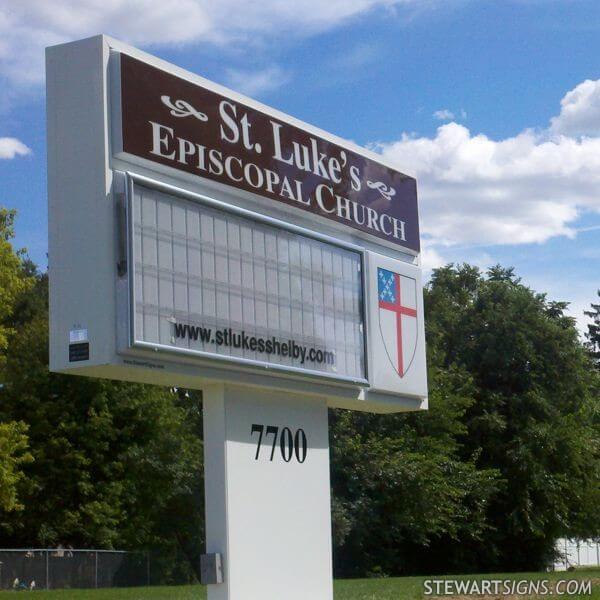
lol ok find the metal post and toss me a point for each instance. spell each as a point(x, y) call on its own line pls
point(96, 570)
point(47, 569)
point(148, 568)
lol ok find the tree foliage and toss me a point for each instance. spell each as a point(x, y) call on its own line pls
point(13, 455)
point(533, 415)
point(506, 460)
point(15, 280)
point(400, 482)
point(593, 333)
point(14, 277)
point(115, 464)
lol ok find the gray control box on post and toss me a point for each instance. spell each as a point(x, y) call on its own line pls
point(211, 570)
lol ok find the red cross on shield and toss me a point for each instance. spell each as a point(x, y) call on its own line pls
point(398, 318)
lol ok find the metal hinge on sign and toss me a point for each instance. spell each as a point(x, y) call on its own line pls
point(122, 233)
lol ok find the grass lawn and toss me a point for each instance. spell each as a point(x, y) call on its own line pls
point(399, 588)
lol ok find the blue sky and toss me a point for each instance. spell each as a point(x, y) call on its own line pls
point(494, 105)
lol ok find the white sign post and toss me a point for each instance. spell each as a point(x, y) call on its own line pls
point(200, 239)
point(267, 493)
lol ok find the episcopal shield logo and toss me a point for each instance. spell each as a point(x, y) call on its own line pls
point(398, 318)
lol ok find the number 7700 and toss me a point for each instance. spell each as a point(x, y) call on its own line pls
point(289, 445)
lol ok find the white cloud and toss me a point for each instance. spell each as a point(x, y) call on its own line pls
point(11, 147)
point(358, 57)
point(255, 83)
point(521, 189)
point(431, 257)
point(446, 114)
point(579, 111)
point(576, 310)
point(27, 26)
point(580, 292)
point(443, 115)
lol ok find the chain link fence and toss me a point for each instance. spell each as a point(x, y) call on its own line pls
point(61, 568)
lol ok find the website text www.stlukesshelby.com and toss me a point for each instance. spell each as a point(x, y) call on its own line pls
point(272, 345)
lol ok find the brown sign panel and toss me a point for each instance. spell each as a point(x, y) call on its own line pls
point(183, 125)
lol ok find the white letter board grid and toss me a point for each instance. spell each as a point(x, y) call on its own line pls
point(203, 267)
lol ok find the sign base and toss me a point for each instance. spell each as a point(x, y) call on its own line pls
point(267, 488)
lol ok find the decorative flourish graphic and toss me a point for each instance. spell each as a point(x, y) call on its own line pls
point(384, 190)
point(181, 108)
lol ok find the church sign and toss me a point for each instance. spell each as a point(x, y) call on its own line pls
point(199, 239)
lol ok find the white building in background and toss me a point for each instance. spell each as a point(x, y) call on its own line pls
point(577, 553)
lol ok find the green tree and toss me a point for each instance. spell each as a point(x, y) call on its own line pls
point(13, 455)
point(506, 460)
point(401, 484)
point(534, 417)
point(593, 333)
point(14, 278)
point(114, 462)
